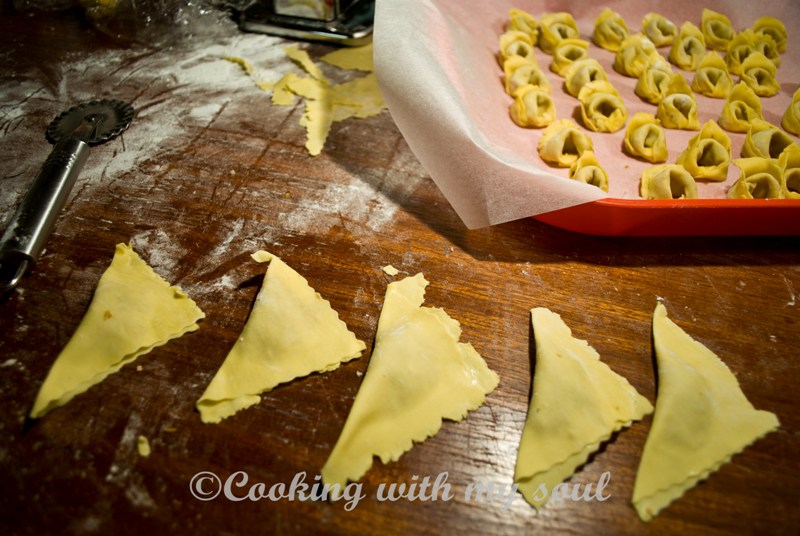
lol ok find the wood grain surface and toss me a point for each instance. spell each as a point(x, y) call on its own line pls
point(210, 171)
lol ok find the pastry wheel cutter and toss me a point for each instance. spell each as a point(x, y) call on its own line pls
point(72, 133)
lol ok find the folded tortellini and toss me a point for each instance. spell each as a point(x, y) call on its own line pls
point(588, 170)
point(774, 28)
point(563, 142)
point(791, 117)
point(645, 138)
point(742, 45)
point(766, 45)
point(554, 27)
point(519, 71)
point(581, 72)
point(717, 30)
point(532, 107)
point(789, 162)
point(712, 78)
point(759, 72)
point(668, 181)
point(652, 85)
point(760, 178)
point(741, 108)
point(566, 52)
point(688, 48)
point(523, 21)
point(610, 30)
point(765, 140)
point(678, 109)
point(515, 43)
point(602, 109)
point(660, 30)
point(708, 154)
point(634, 55)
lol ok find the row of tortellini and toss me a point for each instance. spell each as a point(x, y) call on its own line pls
point(564, 144)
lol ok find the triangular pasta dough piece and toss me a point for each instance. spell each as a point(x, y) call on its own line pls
point(133, 310)
point(291, 332)
point(702, 419)
point(419, 374)
point(576, 404)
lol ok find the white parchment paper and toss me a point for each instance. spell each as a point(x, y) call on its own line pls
point(436, 62)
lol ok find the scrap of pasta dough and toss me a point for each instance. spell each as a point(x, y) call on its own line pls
point(419, 374)
point(702, 418)
point(577, 403)
point(291, 332)
point(353, 58)
point(133, 310)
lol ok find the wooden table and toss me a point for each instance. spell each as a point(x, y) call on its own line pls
point(210, 171)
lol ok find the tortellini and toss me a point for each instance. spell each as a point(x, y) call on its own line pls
point(789, 162)
point(609, 30)
point(774, 28)
point(556, 27)
point(760, 178)
point(741, 46)
point(712, 78)
point(765, 140)
point(717, 30)
point(515, 43)
point(688, 48)
point(660, 30)
point(741, 108)
point(653, 83)
point(588, 170)
point(759, 73)
point(519, 71)
point(678, 109)
point(563, 142)
point(766, 45)
point(708, 154)
point(668, 181)
point(567, 52)
point(581, 72)
point(645, 138)
point(791, 117)
point(634, 55)
point(532, 107)
point(602, 109)
point(523, 21)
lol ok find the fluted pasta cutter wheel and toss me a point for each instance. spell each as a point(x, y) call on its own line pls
point(72, 133)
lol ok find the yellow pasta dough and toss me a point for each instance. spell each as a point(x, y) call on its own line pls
point(668, 181)
point(524, 22)
point(634, 55)
point(419, 374)
point(678, 108)
point(133, 310)
point(353, 58)
point(566, 52)
point(645, 138)
point(563, 142)
point(741, 108)
point(717, 30)
point(515, 43)
point(602, 109)
point(291, 332)
point(774, 28)
point(760, 178)
point(556, 27)
point(660, 30)
point(742, 45)
point(588, 170)
point(654, 81)
point(518, 72)
point(766, 45)
point(759, 72)
point(610, 30)
point(712, 78)
point(532, 107)
point(765, 140)
point(789, 162)
point(577, 403)
point(688, 48)
point(702, 418)
point(580, 73)
point(708, 154)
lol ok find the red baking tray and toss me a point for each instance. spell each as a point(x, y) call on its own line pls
point(680, 217)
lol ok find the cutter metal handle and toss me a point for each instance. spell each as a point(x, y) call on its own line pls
point(27, 231)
